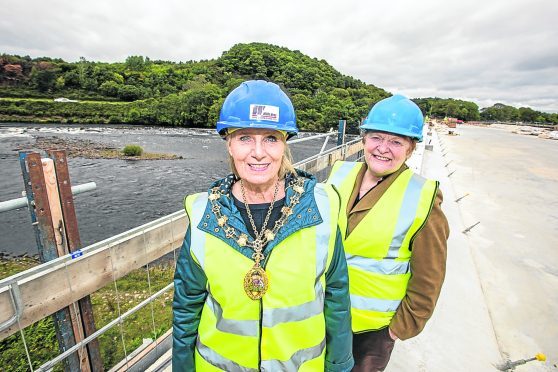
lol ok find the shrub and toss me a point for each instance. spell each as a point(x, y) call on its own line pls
point(132, 150)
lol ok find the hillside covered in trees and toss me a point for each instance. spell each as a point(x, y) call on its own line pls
point(465, 110)
point(142, 91)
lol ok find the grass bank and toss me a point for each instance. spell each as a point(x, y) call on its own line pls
point(108, 302)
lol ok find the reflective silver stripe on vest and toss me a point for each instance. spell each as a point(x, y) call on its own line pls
point(197, 237)
point(237, 327)
point(373, 304)
point(323, 230)
point(219, 361)
point(386, 266)
point(296, 360)
point(342, 173)
point(272, 317)
point(407, 214)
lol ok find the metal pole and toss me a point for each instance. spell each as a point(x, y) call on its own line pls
point(341, 132)
point(324, 145)
point(470, 227)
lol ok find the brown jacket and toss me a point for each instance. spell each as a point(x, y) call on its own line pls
point(428, 258)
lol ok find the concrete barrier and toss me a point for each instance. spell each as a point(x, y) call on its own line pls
point(460, 335)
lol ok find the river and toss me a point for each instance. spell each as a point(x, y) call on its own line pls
point(129, 193)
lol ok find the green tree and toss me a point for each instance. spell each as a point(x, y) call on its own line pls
point(254, 66)
point(59, 83)
point(500, 112)
point(527, 114)
point(86, 76)
point(43, 77)
point(110, 88)
point(196, 104)
point(137, 63)
point(71, 79)
point(129, 92)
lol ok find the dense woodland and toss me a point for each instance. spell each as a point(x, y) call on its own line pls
point(143, 91)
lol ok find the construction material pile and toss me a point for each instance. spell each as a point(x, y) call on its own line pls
point(539, 132)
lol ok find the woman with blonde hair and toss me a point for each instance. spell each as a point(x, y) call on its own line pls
point(261, 282)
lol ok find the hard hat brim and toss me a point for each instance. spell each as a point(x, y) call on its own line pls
point(222, 127)
point(391, 129)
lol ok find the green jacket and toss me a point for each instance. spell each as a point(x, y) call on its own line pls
point(190, 281)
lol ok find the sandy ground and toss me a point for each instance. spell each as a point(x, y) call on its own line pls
point(499, 300)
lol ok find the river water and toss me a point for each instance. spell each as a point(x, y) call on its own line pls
point(129, 193)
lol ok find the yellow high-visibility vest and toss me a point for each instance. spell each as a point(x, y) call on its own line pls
point(283, 331)
point(377, 249)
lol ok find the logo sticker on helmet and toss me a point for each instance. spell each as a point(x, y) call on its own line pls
point(264, 112)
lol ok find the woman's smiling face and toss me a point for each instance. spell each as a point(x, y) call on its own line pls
point(257, 155)
point(385, 152)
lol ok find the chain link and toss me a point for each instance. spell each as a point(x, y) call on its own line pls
point(265, 235)
point(266, 220)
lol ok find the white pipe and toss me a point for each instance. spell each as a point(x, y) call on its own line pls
point(22, 202)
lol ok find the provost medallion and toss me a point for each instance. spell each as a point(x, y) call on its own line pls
point(255, 283)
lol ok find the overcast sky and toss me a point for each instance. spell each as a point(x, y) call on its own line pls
point(486, 51)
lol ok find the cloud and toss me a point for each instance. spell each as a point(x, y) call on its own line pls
point(483, 51)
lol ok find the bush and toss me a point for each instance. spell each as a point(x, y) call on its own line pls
point(132, 150)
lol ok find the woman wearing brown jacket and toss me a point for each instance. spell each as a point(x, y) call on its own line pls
point(395, 234)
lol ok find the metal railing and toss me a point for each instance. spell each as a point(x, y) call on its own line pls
point(10, 205)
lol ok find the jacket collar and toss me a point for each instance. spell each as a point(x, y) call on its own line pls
point(370, 199)
point(305, 213)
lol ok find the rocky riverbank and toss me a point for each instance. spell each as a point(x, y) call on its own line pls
point(92, 150)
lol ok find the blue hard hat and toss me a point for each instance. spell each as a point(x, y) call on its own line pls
point(396, 114)
point(257, 104)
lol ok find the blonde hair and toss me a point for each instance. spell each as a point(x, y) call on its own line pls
point(286, 162)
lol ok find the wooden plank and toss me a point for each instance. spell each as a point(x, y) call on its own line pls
point(68, 280)
point(54, 204)
point(73, 243)
point(354, 148)
point(51, 186)
point(48, 251)
point(83, 321)
point(66, 199)
point(42, 208)
point(308, 166)
point(321, 163)
point(138, 357)
point(334, 156)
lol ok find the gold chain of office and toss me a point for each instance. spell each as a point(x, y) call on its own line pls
point(256, 282)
